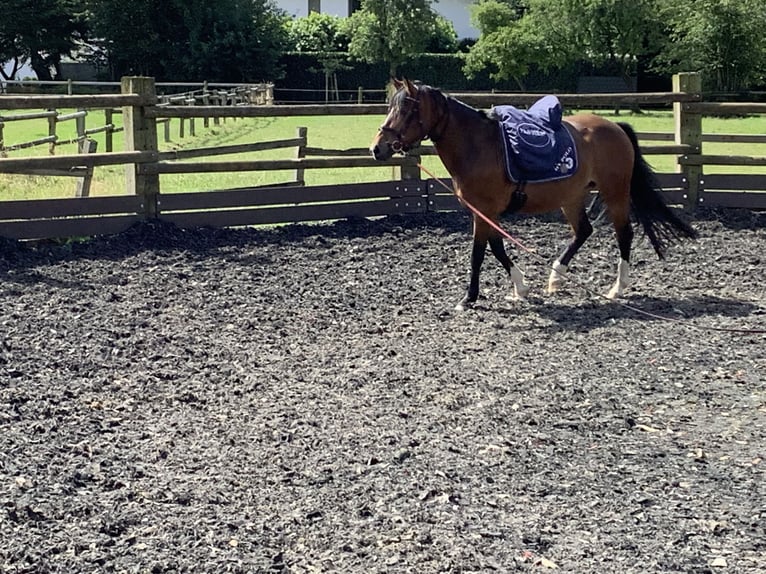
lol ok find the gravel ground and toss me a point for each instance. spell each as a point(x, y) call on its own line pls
point(306, 399)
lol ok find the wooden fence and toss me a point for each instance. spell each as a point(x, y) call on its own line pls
point(54, 118)
point(142, 112)
point(206, 94)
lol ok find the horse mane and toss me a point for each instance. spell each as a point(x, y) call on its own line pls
point(398, 98)
point(482, 113)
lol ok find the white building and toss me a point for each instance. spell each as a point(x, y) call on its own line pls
point(22, 73)
point(456, 11)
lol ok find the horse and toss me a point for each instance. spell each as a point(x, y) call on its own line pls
point(468, 142)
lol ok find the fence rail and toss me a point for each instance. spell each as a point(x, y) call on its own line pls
point(207, 95)
point(52, 139)
point(143, 110)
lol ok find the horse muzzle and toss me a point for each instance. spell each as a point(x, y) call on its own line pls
point(382, 150)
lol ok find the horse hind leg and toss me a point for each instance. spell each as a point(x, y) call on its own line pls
point(582, 231)
point(520, 289)
point(624, 241)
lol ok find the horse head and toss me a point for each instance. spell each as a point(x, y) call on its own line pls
point(413, 113)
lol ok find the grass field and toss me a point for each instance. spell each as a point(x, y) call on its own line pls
point(336, 132)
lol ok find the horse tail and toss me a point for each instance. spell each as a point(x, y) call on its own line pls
point(660, 223)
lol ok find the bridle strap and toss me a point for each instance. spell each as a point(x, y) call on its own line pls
point(413, 114)
point(398, 145)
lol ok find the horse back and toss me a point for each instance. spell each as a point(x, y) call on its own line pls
point(601, 143)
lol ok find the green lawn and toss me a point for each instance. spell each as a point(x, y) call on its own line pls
point(328, 132)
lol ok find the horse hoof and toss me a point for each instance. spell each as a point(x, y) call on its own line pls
point(463, 305)
point(614, 293)
point(555, 287)
point(516, 296)
point(522, 292)
point(557, 278)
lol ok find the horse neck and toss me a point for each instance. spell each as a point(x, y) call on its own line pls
point(467, 131)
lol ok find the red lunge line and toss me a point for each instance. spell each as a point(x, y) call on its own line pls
point(491, 223)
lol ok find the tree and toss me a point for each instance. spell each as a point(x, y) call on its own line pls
point(512, 39)
point(391, 31)
point(614, 34)
point(226, 40)
point(129, 35)
point(723, 39)
point(41, 31)
point(317, 32)
point(556, 33)
point(324, 35)
point(442, 38)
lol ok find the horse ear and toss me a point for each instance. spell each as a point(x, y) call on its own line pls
point(412, 89)
point(393, 86)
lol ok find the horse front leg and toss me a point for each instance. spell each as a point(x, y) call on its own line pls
point(520, 289)
point(477, 258)
point(481, 236)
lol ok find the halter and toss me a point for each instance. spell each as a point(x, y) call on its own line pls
point(414, 114)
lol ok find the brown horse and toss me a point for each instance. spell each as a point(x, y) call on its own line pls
point(469, 144)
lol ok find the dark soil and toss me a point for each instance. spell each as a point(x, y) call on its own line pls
point(306, 399)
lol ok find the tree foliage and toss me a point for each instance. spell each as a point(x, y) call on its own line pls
point(723, 39)
point(555, 33)
point(324, 36)
point(615, 33)
point(391, 31)
point(40, 31)
point(242, 40)
point(513, 39)
point(442, 38)
point(317, 32)
point(226, 40)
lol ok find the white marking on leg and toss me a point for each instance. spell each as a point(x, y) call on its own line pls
point(557, 277)
point(520, 289)
point(623, 280)
point(463, 305)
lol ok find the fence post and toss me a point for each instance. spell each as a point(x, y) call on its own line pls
point(82, 188)
point(141, 135)
point(300, 152)
point(2, 141)
point(79, 123)
point(688, 131)
point(52, 121)
point(109, 134)
point(192, 128)
point(205, 102)
point(408, 171)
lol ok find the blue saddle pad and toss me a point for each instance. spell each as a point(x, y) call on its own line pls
point(538, 146)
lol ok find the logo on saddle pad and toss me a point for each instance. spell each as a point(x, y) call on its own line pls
point(533, 136)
